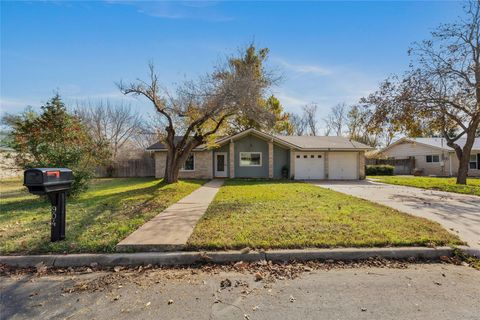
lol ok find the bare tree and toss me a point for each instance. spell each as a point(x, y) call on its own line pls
point(310, 118)
point(204, 106)
point(441, 93)
point(299, 124)
point(360, 128)
point(336, 119)
point(110, 122)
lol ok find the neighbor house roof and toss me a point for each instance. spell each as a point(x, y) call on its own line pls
point(438, 143)
point(296, 142)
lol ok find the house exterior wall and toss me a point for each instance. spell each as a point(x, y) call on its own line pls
point(455, 164)
point(251, 143)
point(203, 166)
point(274, 158)
point(281, 158)
point(419, 152)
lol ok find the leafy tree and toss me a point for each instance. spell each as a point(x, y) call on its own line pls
point(255, 59)
point(54, 138)
point(200, 109)
point(441, 92)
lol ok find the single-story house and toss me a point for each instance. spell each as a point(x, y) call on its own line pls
point(255, 154)
point(433, 156)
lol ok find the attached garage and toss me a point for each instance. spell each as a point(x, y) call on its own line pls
point(343, 166)
point(309, 165)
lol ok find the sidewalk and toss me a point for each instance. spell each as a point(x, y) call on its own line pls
point(170, 230)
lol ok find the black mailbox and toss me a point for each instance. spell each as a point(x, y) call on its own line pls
point(53, 182)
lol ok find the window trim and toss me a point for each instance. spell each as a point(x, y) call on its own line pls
point(475, 161)
point(182, 169)
point(249, 165)
point(432, 155)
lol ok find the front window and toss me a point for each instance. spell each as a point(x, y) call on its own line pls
point(250, 159)
point(189, 164)
point(433, 158)
point(473, 162)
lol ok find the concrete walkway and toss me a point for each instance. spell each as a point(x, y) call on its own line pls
point(170, 230)
point(458, 213)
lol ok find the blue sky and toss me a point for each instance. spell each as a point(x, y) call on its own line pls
point(328, 52)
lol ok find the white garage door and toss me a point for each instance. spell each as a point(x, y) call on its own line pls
point(342, 165)
point(309, 165)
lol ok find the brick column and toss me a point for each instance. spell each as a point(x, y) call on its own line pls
point(291, 172)
point(361, 162)
point(231, 157)
point(270, 159)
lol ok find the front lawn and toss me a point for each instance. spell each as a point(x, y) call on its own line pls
point(283, 214)
point(433, 183)
point(96, 221)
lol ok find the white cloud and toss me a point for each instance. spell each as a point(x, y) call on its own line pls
point(197, 10)
point(292, 102)
point(8, 104)
point(304, 68)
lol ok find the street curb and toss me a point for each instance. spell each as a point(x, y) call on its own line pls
point(474, 252)
point(190, 258)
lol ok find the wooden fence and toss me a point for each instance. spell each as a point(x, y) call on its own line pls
point(144, 167)
point(402, 166)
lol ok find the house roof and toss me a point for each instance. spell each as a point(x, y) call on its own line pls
point(317, 142)
point(296, 142)
point(438, 143)
point(162, 146)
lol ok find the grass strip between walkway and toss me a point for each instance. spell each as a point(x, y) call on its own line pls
point(433, 183)
point(96, 221)
point(284, 214)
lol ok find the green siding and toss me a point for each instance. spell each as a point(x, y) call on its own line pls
point(281, 157)
point(251, 144)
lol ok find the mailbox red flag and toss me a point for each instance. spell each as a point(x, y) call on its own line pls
point(55, 174)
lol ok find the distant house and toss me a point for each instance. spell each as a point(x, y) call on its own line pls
point(433, 156)
point(255, 154)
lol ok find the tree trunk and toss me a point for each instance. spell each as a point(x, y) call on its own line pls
point(463, 155)
point(176, 157)
point(463, 169)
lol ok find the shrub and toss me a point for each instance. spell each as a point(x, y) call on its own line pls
point(380, 170)
point(55, 138)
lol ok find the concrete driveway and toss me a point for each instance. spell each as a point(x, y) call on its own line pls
point(456, 212)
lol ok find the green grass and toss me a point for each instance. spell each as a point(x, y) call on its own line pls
point(96, 221)
point(282, 214)
point(443, 184)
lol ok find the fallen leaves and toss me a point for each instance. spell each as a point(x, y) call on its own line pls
point(41, 268)
point(225, 283)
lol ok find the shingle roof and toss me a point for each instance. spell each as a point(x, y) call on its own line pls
point(301, 142)
point(442, 142)
point(161, 146)
point(320, 142)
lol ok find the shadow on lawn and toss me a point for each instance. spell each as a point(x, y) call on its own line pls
point(82, 214)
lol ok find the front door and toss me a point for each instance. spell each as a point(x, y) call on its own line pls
point(221, 164)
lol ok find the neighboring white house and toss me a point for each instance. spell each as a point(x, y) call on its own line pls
point(433, 156)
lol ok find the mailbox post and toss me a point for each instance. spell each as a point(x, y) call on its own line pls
point(53, 182)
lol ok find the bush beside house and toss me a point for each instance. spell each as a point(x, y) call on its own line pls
point(379, 170)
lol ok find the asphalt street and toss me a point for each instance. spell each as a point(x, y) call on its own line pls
point(419, 291)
